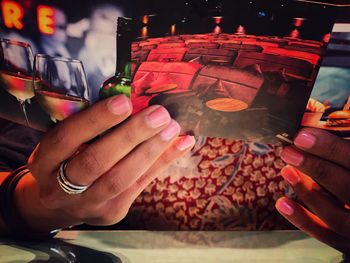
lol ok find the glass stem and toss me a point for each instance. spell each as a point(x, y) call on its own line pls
point(22, 104)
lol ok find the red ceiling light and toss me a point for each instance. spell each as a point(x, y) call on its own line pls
point(240, 30)
point(145, 19)
point(217, 30)
point(173, 29)
point(217, 19)
point(295, 33)
point(326, 38)
point(144, 32)
point(298, 21)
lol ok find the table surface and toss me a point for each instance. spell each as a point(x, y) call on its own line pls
point(163, 247)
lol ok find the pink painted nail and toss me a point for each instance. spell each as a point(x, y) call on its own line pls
point(185, 143)
point(171, 131)
point(290, 175)
point(284, 207)
point(119, 105)
point(292, 157)
point(305, 140)
point(159, 117)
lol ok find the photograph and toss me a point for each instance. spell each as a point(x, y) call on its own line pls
point(53, 62)
point(163, 131)
point(329, 105)
point(231, 69)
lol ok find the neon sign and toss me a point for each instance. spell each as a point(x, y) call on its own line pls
point(46, 22)
point(13, 13)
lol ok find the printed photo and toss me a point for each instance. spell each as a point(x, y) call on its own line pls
point(78, 47)
point(329, 105)
point(233, 69)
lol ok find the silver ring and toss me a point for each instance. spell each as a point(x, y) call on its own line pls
point(67, 185)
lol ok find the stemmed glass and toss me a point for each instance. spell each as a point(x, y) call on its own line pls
point(60, 86)
point(16, 69)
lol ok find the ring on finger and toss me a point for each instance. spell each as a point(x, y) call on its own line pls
point(65, 184)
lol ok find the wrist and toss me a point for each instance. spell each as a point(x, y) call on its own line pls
point(38, 217)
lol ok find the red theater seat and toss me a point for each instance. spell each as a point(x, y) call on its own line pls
point(310, 49)
point(179, 73)
point(167, 54)
point(170, 38)
point(139, 55)
point(312, 58)
point(242, 39)
point(195, 36)
point(135, 47)
point(277, 40)
point(271, 62)
point(197, 40)
point(171, 45)
point(311, 43)
point(252, 48)
point(148, 44)
point(231, 41)
point(203, 45)
point(207, 56)
point(239, 84)
point(260, 43)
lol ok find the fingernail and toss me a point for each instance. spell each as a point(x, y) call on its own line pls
point(305, 140)
point(185, 143)
point(159, 117)
point(284, 207)
point(119, 105)
point(171, 131)
point(290, 175)
point(292, 157)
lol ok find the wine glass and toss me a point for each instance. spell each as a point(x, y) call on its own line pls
point(60, 86)
point(16, 69)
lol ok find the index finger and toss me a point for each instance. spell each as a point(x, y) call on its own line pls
point(325, 145)
point(65, 139)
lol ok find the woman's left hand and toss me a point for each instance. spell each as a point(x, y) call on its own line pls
point(319, 171)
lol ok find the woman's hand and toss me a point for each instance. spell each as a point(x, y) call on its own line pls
point(319, 171)
point(118, 165)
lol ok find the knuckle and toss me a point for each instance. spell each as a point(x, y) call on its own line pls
point(147, 153)
point(150, 152)
point(318, 168)
point(115, 184)
point(49, 199)
point(58, 136)
point(108, 217)
point(81, 213)
point(130, 136)
point(121, 215)
point(113, 217)
point(166, 159)
point(307, 193)
point(90, 163)
point(140, 182)
point(334, 149)
point(95, 120)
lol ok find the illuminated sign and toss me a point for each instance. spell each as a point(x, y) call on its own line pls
point(13, 13)
point(46, 20)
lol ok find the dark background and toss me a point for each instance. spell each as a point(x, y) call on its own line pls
point(258, 17)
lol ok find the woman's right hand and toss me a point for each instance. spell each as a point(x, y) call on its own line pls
point(117, 165)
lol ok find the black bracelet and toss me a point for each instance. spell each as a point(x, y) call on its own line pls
point(9, 211)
